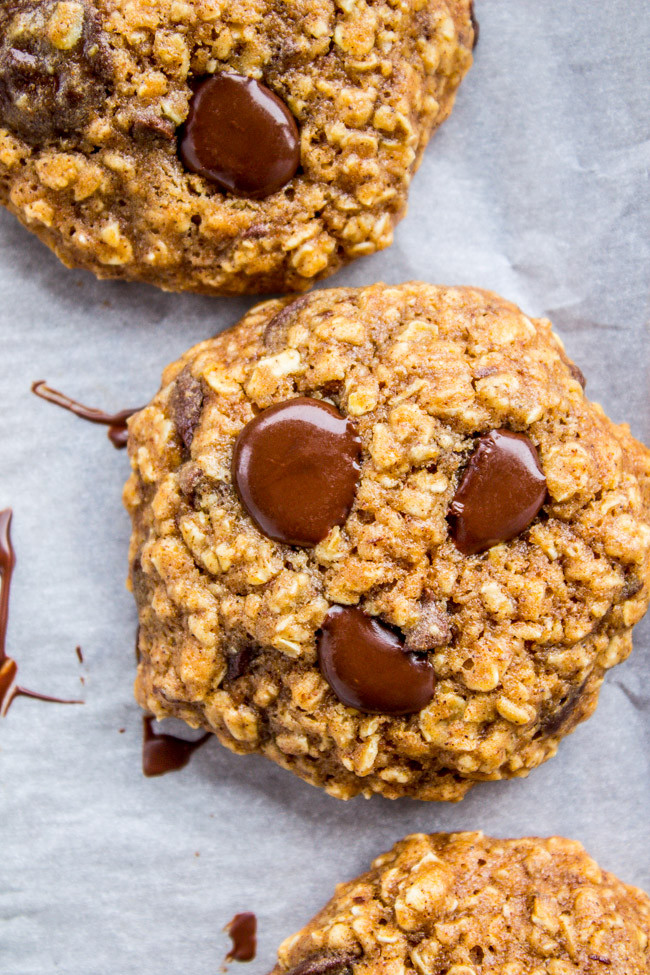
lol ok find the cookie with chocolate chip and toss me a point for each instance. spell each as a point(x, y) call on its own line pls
point(466, 904)
point(244, 147)
point(382, 536)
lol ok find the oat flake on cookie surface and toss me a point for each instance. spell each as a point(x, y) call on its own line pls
point(221, 146)
point(466, 904)
point(381, 536)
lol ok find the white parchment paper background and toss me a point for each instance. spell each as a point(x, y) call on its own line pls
point(537, 187)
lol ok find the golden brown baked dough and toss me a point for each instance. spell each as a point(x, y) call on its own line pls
point(519, 636)
point(93, 94)
point(465, 904)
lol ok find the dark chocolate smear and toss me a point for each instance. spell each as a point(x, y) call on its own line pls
point(296, 467)
point(166, 753)
point(241, 136)
point(118, 432)
point(8, 666)
point(501, 492)
point(243, 934)
point(186, 404)
point(323, 964)
point(48, 91)
point(367, 666)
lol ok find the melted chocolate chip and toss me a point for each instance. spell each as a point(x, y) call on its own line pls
point(277, 328)
point(631, 588)
point(475, 25)
point(243, 931)
point(50, 89)
point(560, 716)
point(148, 126)
point(578, 374)
point(118, 432)
point(501, 492)
point(186, 405)
point(366, 665)
point(431, 630)
point(296, 468)
point(166, 753)
point(238, 663)
point(240, 136)
point(323, 964)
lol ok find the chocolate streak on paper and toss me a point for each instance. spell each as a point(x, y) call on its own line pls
point(166, 753)
point(8, 666)
point(116, 422)
point(242, 930)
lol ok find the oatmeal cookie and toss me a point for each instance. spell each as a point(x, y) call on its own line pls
point(381, 536)
point(465, 904)
point(221, 146)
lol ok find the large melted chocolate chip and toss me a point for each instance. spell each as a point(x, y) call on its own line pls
point(240, 136)
point(296, 467)
point(366, 665)
point(501, 492)
point(186, 404)
point(55, 67)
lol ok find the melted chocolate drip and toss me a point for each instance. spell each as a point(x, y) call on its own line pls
point(116, 422)
point(80, 656)
point(242, 930)
point(166, 753)
point(8, 666)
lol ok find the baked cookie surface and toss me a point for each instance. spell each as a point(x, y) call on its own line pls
point(465, 904)
point(221, 146)
point(381, 536)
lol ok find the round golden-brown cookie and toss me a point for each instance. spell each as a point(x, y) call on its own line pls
point(95, 155)
point(395, 649)
point(465, 904)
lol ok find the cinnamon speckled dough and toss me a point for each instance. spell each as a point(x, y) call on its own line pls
point(93, 94)
point(520, 636)
point(465, 904)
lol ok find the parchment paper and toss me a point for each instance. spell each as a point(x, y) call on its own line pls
point(537, 187)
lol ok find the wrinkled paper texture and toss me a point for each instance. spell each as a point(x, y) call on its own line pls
point(537, 187)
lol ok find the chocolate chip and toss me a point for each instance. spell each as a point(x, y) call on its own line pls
point(148, 126)
point(296, 467)
point(240, 136)
point(431, 630)
point(276, 329)
point(367, 666)
point(186, 405)
point(46, 90)
point(631, 588)
point(501, 492)
point(323, 964)
point(557, 718)
point(475, 24)
point(577, 374)
point(190, 477)
point(238, 663)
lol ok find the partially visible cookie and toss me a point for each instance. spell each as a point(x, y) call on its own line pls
point(465, 904)
point(382, 536)
point(221, 147)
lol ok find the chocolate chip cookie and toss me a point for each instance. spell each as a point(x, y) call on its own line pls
point(248, 146)
point(382, 536)
point(465, 904)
